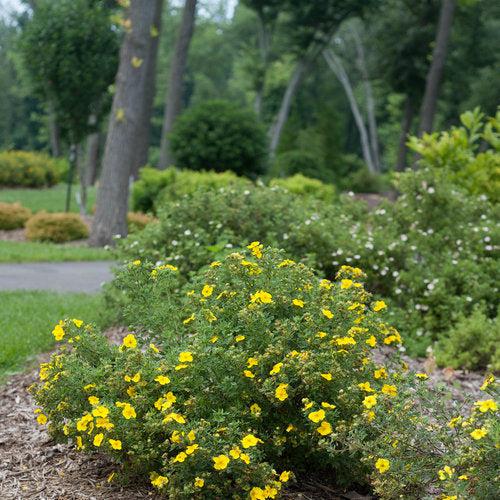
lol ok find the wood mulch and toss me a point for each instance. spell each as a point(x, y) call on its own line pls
point(33, 466)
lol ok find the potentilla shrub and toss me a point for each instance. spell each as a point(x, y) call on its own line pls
point(13, 215)
point(56, 228)
point(259, 371)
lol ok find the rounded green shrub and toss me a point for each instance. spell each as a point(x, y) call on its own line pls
point(220, 136)
point(56, 227)
point(137, 221)
point(305, 186)
point(29, 169)
point(294, 162)
point(13, 215)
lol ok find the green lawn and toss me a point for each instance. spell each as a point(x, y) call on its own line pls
point(16, 251)
point(27, 320)
point(49, 199)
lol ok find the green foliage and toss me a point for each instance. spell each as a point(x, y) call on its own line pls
point(57, 228)
point(156, 187)
point(304, 186)
point(13, 216)
point(221, 136)
point(296, 162)
point(363, 181)
point(70, 51)
point(472, 343)
point(29, 169)
point(257, 332)
point(137, 221)
point(460, 153)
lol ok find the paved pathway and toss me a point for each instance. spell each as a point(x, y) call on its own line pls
point(56, 276)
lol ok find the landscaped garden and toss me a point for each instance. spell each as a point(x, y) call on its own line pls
point(277, 281)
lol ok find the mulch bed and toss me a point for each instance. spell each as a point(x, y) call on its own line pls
point(33, 466)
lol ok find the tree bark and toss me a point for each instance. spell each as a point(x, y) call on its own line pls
point(126, 119)
point(93, 144)
point(405, 130)
point(436, 69)
point(294, 82)
point(173, 99)
point(150, 61)
point(370, 101)
point(54, 133)
point(336, 66)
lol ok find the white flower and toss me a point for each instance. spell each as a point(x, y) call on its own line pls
point(175, 243)
point(187, 232)
point(404, 237)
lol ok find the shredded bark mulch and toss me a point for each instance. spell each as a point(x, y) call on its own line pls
point(33, 466)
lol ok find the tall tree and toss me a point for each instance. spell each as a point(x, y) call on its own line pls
point(173, 101)
point(125, 122)
point(436, 69)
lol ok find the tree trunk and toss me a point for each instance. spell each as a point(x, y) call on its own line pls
point(286, 103)
point(405, 130)
point(150, 60)
point(81, 166)
point(336, 66)
point(126, 120)
point(173, 99)
point(370, 101)
point(436, 69)
point(93, 144)
point(54, 132)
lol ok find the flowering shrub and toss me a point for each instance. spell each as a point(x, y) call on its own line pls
point(55, 227)
point(306, 186)
point(137, 221)
point(259, 371)
point(13, 215)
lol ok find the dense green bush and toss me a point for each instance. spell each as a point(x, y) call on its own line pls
point(13, 215)
point(29, 169)
point(305, 186)
point(57, 228)
point(156, 187)
point(137, 221)
point(472, 343)
point(362, 181)
point(220, 136)
point(294, 162)
point(461, 156)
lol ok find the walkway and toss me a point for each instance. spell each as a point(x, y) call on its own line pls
point(56, 276)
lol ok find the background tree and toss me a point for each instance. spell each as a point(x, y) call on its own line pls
point(126, 120)
point(173, 100)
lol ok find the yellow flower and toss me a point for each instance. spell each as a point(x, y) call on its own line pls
point(220, 462)
point(239, 338)
point(261, 297)
point(79, 443)
point(100, 411)
point(162, 380)
point(245, 458)
point(248, 374)
point(487, 381)
point(454, 421)
point(77, 322)
point(285, 476)
point(346, 284)
point(185, 357)
point(180, 457)
point(41, 419)
point(379, 305)
point(371, 341)
point(154, 348)
point(445, 472)
point(326, 284)
point(128, 411)
point(135, 378)
point(327, 313)
point(486, 405)
point(298, 303)
point(252, 362)
point(207, 291)
point(215, 263)
point(191, 436)
point(365, 386)
point(325, 428)
point(136, 63)
point(390, 390)
point(189, 319)
point(116, 444)
point(130, 341)
point(93, 400)
point(176, 417)
point(255, 409)
point(214, 339)
point(88, 387)
point(422, 376)
point(250, 440)
point(281, 392)
point(192, 448)
point(256, 249)
point(382, 465)
point(290, 428)
point(370, 401)
point(380, 373)
point(343, 341)
point(286, 263)
point(136, 263)
point(276, 369)
point(316, 416)
point(58, 332)
point(479, 433)
point(327, 376)
point(257, 493)
point(328, 406)
point(82, 424)
point(158, 481)
point(98, 439)
point(199, 482)
point(321, 335)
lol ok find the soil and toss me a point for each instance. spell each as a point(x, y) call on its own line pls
point(33, 466)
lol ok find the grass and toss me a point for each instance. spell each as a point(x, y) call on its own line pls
point(49, 199)
point(20, 251)
point(27, 320)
